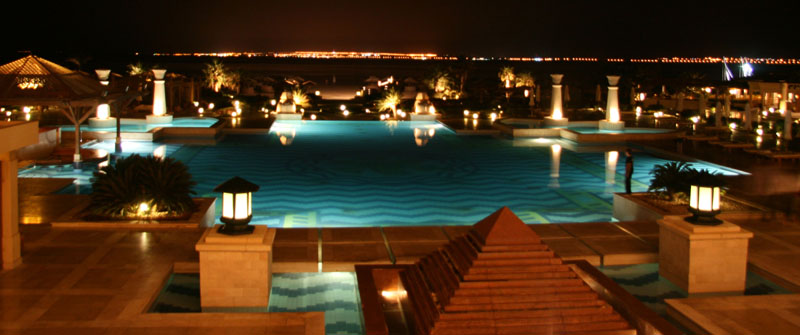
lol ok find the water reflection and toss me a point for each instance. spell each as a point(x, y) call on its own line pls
point(423, 135)
point(555, 152)
point(284, 132)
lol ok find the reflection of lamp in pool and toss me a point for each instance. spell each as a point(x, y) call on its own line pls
point(611, 166)
point(422, 136)
point(160, 152)
point(285, 133)
point(237, 209)
point(555, 159)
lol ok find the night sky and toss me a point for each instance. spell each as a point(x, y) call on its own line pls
point(479, 28)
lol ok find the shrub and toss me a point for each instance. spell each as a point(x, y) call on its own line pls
point(670, 179)
point(163, 185)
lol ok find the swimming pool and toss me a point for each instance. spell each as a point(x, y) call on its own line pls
point(369, 173)
point(141, 126)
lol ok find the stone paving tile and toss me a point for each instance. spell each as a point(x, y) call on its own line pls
point(341, 257)
point(57, 255)
point(593, 229)
point(549, 231)
point(295, 252)
point(408, 234)
point(624, 250)
point(76, 308)
point(640, 228)
point(296, 235)
point(351, 235)
point(410, 252)
point(13, 307)
point(573, 249)
point(81, 237)
point(104, 279)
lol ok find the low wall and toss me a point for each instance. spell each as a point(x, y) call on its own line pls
point(48, 140)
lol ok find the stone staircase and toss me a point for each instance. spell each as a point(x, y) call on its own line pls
point(501, 279)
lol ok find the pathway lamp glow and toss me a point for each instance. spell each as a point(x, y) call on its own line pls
point(237, 209)
point(704, 203)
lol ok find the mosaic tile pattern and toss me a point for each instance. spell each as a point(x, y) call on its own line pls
point(643, 282)
point(362, 173)
point(335, 293)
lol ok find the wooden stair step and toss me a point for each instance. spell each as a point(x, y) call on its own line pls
point(513, 247)
point(512, 254)
point(500, 315)
point(518, 269)
point(492, 300)
point(517, 261)
point(526, 306)
point(544, 320)
point(574, 281)
point(516, 276)
point(464, 292)
point(611, 327)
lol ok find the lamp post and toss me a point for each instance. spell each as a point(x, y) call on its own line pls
point(704, 204)
point(237, 209)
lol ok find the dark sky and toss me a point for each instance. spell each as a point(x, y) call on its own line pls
point(603, 28)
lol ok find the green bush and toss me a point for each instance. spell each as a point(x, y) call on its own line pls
point(671, 179)
point(164, 185)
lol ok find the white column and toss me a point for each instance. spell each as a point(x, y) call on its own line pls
point(612, 106)
point(159, 93)
point(787, 114)
point(557, 112)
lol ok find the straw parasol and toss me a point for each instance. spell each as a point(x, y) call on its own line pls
point(32, 80)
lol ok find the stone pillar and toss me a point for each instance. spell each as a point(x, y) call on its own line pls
point(703, 259)
point(787, 114)
point(235, 270)
point(103, 117)
point(556, 119)
point(612, 121)
point(15, 135)
point(159, 99)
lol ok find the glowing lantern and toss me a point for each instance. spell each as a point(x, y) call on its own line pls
point(237, 210)
point(704, 204)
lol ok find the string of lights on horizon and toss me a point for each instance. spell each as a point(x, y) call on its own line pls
point(433, 56)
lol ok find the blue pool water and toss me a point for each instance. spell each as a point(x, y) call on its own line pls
point(139, 126)
point(335, 293)
point(367, 173)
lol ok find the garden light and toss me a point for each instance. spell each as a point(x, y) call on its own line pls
point(237, 210)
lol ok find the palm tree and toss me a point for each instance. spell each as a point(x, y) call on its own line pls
point(300, 97)
point(389, 100)
point(137, 69)
point(217, 76)
point(506, 76)
point(527, 80)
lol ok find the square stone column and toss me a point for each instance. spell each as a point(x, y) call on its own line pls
point(235, 271)
point(703, 259)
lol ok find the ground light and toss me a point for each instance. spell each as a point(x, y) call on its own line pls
point(237, 207)
point(704, 204)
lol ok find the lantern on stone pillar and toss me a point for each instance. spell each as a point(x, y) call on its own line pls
point(704, 204)
point(237, 209)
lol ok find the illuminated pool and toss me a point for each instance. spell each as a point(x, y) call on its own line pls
point(370, 173)
point(140, 126)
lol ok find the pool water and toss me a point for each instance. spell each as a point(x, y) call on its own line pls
point(643, 282)
point(368, 173)
point(140, 126)
point(335, 293)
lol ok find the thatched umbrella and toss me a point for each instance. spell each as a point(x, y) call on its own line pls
point(36, 81)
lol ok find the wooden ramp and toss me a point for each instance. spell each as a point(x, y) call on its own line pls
point(501, 279)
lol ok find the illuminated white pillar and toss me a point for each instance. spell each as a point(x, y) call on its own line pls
point(159, 93)
point(556, 119)
point(612, 106)
point(556, 106)
point(612, 121)
point(555, 164)
point(787, 114)
point(102, 117)
point(159, 99)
